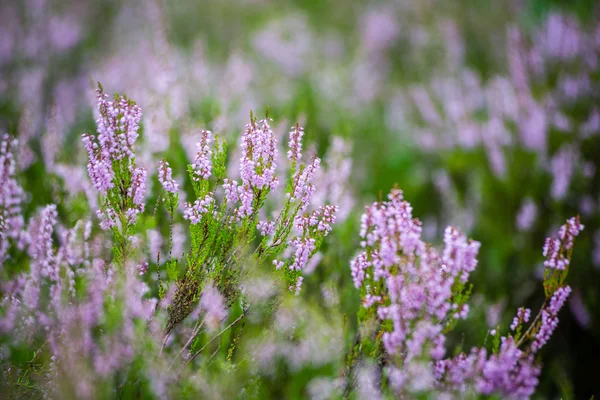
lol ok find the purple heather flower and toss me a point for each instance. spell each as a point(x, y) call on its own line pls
point(231, 191)
point(137, 190)
point(108, 218)
point(118, 124)
point(358, 266)
point(202, 165)
point(327, 216)
point(266, 228)
point(99, 168)
point(549, 322)
point(558, 299)
point(303, 250)
point(11, 197)
point(165, 177)
point(303, 184)
point(294, 154)
point(278, 264)
point(460, 256)
point(259, 156)
point(110, 152)
point(555, 248)
point(523, 315)
point(194, 212)
point(392, 242)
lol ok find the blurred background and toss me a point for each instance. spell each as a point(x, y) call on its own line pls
point(486, 114)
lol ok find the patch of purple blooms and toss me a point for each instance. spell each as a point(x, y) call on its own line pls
point(194, 212)
point(11, 197)
point(165, 177)
point(111, 164)
point(417, 294)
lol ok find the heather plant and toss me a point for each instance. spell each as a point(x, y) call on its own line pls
point(85, 310)
point(413, 296)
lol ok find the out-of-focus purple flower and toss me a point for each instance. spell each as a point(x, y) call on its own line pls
point(179, 238)
point(579, 310)
point(494, 313)
point(142, 267)
point(155, 242)
point(596, 250)
point(11, 197)
point(526, 215)
point(286, 42)
point(211, 302)
point(379, 29)
point(333, 177)
point(561, 167)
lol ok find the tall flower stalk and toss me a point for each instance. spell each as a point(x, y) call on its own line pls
point(113, 170)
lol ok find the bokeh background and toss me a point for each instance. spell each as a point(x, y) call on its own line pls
point(486, 114)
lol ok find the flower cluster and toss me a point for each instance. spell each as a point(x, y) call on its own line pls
point(111, 164)
point(202, 165)
point(165, 177)
point(194, 212)
point(417, 295)
point(221, 230)
point(257, 165)
point(11, 197)
point(422, 289)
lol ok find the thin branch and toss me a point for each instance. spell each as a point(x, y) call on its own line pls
point(193, 335)
point(219, 334)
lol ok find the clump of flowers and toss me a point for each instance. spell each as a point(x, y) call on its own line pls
point(11, 197)
point(112, 167)
point(222, 232)
point(413, 296)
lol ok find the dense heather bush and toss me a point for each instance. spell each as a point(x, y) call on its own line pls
point(94, 324)
point(413, 296)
